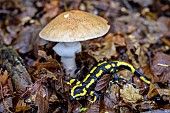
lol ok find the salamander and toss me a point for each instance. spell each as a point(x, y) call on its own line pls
point(87, 86)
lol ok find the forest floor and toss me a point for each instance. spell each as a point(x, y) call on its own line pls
point(32, 78)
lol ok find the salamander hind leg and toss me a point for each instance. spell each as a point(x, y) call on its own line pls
point(95, 95)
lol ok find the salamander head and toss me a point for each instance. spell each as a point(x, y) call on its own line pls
point(78, 92)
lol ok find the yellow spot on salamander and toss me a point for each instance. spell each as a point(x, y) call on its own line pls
point(111, 70)
point(90, 83)
point(93, 69)
point(86, 78)
point(81, 94)
point(99, 64)
point(108, 66)
point(78, 82)
point(99, 73)
point(126, 64)
point(113, 65)
point(94, 100)
point(73, 89)
point(91, 93)
point(145, 80)
point(72, 81)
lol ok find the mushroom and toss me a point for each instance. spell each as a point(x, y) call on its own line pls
point(69, 28)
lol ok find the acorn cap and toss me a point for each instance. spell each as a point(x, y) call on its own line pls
point(74, 26)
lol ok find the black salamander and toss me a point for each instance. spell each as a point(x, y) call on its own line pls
point(86, 87)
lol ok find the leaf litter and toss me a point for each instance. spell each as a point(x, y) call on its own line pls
point(139, 35)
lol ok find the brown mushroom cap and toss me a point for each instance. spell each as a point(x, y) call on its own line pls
point(74, 26)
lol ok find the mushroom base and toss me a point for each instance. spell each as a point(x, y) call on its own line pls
point(69, 65)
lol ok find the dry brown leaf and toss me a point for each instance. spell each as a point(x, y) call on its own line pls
point(94, 108)
point(4, 77)
point(5, 105)
point(76, 106)
point(51, 8)
point(113, 96)
point(43, 54)
point(117, 39)
point(103, 82)
point(125, 109)
point(130, 94)
point(22, 106)
point(41, 99)
point(161, 72)
point(165, 25)
point(109, 104)
point(53, 98)
point(152, 91)
point(27, 38)
point(164, 93)
point(166, 41)
point(146, 105)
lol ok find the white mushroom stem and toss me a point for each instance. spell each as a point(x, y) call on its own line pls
point(69, 65)
point(67, 51)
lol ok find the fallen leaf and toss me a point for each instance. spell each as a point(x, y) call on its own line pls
point(6, 105)
point(41, 99)
point(152, 91)
point(103, 82)
point(146, 105)
point(76, 106)
point(115, 38)
point(164, 93)
point(161, 73)
point(94, 108)
point(112, 97)
point(4, 77)
point(130, 94)
point(22, 106)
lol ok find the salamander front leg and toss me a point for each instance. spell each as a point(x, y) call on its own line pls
point(116, 79)
point(95, 95)
point(129, 82)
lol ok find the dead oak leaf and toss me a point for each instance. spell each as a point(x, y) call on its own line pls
point(130, 94)
point(161, 72)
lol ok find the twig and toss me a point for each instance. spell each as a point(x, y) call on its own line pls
point(164, 65)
